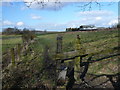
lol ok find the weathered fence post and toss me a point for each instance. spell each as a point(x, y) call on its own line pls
point(18, 51)
point(77, 60)
point(13, 56)
point(58, 55)
point(59, 44)
point(73, 75)
point(77, 64)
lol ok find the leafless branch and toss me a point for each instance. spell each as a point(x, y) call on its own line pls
point(85, 6)
point(98, 5)
point(42, 3)
point(89, 5)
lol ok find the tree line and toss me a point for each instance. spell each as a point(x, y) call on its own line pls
point(16, 31)
point(27, 34)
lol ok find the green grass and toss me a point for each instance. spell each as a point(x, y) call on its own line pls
point(10, 36)
point(9, 41)
point(92, 42)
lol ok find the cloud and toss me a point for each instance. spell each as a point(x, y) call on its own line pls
point(36, 17)
point(24, 8)
point(11, 0)
point(113, 22)
point(6, 23)
point(62, 0)
point(9, 23)
point(49, 26)
point(6, 4)
point(55, 5)
point(98, 18)
point(97, 21)
point(19, 23)
point(95, 13)
point(38, 4)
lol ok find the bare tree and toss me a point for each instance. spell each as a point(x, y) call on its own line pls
point(87, 5)
point(42, 3)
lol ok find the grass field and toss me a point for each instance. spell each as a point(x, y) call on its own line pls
point(9, 41)
point(93, 42)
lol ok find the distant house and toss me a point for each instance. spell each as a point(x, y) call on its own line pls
point(87, 27)
point(82, 28)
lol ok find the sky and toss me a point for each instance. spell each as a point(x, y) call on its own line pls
point(59, 16)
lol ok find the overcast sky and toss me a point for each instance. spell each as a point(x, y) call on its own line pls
point(58, 17)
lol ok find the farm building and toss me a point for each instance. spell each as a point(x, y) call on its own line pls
point(87, 27)
point(82, 28)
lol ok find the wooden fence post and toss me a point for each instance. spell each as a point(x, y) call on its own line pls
point(58, 55)
point(13, 56)
point(18, 51)
point(59, 44)
point(77, 60)
point(77, 63)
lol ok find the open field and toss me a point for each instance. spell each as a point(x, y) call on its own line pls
point(93, 42)
point(90, 40)
point(9, 41)
point(103, 43)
